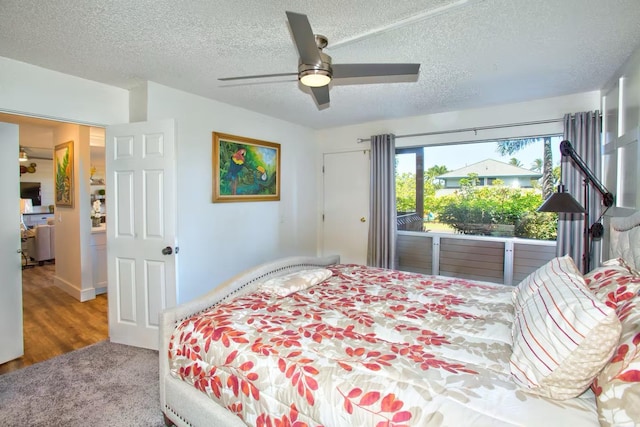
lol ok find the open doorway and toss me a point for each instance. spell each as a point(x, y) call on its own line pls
point(54, 322)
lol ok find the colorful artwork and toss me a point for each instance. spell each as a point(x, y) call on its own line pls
point(245, 169)
point(63, 157)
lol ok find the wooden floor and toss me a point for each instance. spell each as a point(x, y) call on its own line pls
point(55, 322)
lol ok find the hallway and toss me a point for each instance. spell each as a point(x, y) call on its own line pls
point(55, 322)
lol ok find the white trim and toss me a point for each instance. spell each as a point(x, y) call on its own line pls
point(81, 295)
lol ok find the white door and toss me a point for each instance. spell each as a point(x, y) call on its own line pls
point(141, 230)
point(346, 205)
point(11, 344)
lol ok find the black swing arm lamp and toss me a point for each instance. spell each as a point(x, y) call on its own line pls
point(565, 203)
point(567, 150)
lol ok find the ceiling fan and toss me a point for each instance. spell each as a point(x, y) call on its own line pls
point(315, 69)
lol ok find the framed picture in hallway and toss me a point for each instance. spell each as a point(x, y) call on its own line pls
point(63, 158)
point(245, 169)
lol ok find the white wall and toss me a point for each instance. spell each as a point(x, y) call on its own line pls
point(621, 128)
point(74, 269)
point(39, 137)
point(219, 240)
point(30, 90)
point(43, 175)
point(345, 138)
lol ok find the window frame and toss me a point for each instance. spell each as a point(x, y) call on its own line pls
point(419, 152)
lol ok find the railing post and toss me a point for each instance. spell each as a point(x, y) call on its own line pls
point(435, 255)
point(508, 262)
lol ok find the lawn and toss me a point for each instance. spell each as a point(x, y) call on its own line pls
point(437, 227)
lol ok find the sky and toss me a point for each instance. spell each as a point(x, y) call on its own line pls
point(458, 156)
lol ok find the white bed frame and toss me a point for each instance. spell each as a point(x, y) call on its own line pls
point(624, 239)
point(184, 405)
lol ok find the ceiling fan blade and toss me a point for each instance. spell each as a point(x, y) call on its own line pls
point(304, 38)
point(224, 79)
point(321, 95)
point(374, 70)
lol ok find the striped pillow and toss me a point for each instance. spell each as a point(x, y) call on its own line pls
point(560, 268)
point(562, 337)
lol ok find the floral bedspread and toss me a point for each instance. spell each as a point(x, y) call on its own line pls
point(366, 347)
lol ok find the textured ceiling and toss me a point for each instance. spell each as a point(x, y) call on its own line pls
point(473, 53)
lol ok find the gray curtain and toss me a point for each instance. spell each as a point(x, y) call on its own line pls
point(583, 131)
point(381, 248)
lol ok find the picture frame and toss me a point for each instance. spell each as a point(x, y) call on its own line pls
point(245, 169)
point(63, 173)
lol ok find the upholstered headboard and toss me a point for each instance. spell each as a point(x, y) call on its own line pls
point(624, 240)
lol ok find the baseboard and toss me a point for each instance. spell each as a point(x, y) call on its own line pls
point(81, 295)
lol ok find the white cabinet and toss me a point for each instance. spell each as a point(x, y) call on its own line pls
point(98, 245)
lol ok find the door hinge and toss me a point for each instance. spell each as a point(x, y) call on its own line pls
point(322, 217)
point(322, 168)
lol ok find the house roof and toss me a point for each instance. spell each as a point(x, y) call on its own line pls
point(491, 168)
point(472, 53)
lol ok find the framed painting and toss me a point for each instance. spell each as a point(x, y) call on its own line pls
point(63, 158)
point(245, 169)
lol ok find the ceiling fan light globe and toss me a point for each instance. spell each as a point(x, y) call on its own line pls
point(315, 78)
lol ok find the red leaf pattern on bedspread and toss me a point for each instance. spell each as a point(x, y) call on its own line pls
point(291, 420)
point(301, 374)
point(269, 359)
point(389, 413)
point(372, 360)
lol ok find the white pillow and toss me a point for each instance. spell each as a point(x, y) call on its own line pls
point(561, 268)
point(562, 337)
point(296, 281)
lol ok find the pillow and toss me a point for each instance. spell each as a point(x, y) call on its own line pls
point(561, 269)
point(614, 282)
point(617, 387)
point(562, 337)
point(296, 281)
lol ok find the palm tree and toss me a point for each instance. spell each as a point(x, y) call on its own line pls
point(537, 165)
point(547, 174)
point(515, 162)
point(434, 171)
point(510, 146)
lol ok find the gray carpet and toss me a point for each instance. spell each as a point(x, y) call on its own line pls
point(104, 384)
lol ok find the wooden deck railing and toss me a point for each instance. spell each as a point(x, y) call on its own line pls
point(505, 260)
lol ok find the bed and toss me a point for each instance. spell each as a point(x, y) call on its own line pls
point(311, 342)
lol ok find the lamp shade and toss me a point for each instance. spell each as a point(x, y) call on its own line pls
point(561, 202)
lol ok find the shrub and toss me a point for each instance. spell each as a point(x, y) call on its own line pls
point(481, 210)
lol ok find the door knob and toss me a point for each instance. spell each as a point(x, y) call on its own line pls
point(167, 251)
point(363, 220)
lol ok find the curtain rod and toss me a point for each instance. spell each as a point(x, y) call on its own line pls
point(475, 129)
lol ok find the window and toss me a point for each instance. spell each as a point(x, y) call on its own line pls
point(482, 188)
